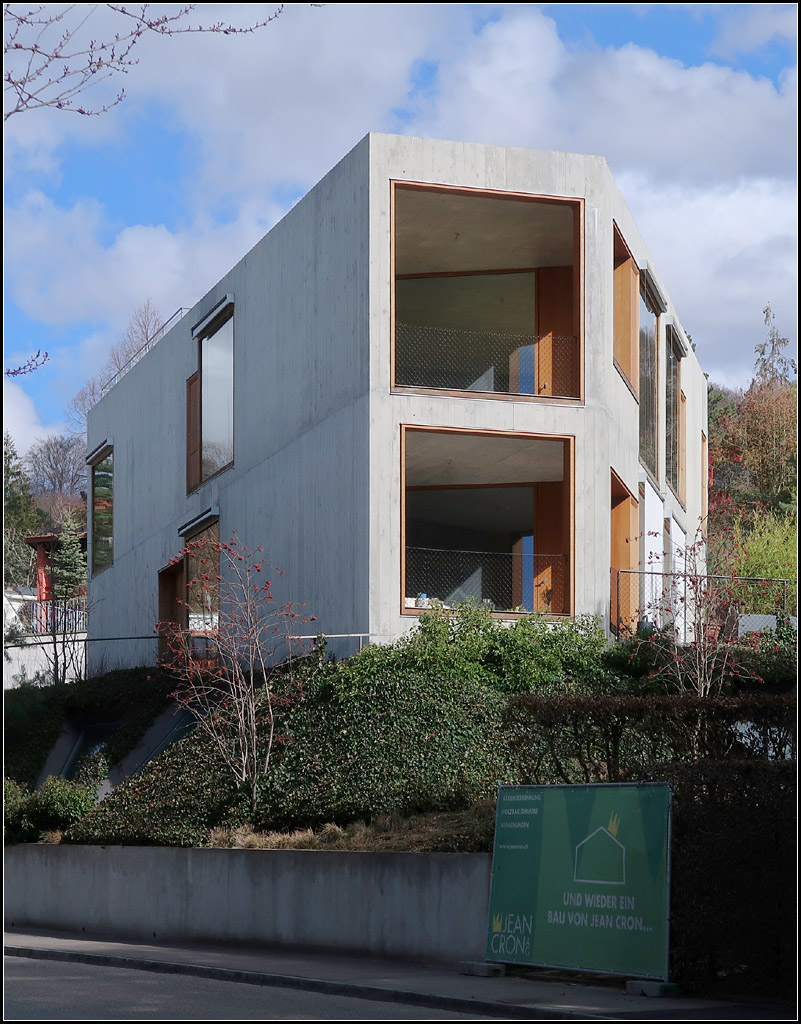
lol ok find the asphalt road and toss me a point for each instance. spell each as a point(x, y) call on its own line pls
point(53, 990)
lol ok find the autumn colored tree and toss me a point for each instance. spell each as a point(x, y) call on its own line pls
point(753, 444)
point(755, 435)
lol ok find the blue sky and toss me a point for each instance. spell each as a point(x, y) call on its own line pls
point(693, 105)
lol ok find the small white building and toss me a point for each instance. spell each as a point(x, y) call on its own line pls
point(450, 371)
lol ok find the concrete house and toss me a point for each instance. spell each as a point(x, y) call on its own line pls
point(451, 371)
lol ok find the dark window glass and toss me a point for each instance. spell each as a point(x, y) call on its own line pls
point(217, 399)
point(202, 573)
point(672, 418)
point(103, 514)
point(649, 369)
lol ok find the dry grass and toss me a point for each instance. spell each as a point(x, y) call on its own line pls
point(464, 831)
point(53, 838)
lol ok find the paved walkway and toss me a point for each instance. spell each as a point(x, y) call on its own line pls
point(549, 996)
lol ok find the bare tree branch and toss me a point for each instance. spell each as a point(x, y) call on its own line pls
point(50, 61)
point(29, 366)
point(55, 465)
point(144, 323)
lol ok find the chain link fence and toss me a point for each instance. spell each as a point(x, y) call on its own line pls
point(723, 606)
point(500, 580)
point(461, 360)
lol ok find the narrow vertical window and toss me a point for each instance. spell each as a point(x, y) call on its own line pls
point(202, 573)
point(649, 392)
point(625, 311)
point(675, 416)
point(103, 513)
point(672, 391)
point(705, 474)
point(217, 398)
point(210, 398)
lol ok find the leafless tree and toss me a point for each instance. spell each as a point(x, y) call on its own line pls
point(52, 56)
point(145, 322)
point(224, 659)
point(56, 465)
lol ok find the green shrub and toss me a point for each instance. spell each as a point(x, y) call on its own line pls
point(472, 645)
point(771, 659)
point(580, 739)
point(174, 801)
point(57, 804)
point(366, 740)
point(92, 770)
point(16, 827)
point(410, 726)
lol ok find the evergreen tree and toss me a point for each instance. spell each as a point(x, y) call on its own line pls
point(67, 574)
point(21, 518)
point(68, 562)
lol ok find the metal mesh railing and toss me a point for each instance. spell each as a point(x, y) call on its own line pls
point(40, 617)
point(718, 606)
point(460, 360)
point(500, 580)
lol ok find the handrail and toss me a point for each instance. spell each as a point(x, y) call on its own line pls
point(151, 341)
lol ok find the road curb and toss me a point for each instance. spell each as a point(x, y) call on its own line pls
point(371, 992)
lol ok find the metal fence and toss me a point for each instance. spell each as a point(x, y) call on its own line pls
point(159, 334)
point(461, 360)
point(500, 580)
point(47, 617)
point(718, 606)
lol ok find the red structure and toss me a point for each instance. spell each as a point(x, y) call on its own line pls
point(44, 544)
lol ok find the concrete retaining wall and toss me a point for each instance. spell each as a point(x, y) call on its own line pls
point(432, 906)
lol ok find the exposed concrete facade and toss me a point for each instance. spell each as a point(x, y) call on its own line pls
point(320, 425)
point(427, 905)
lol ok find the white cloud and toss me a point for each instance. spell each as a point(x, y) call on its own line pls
point(723, 253)
point(284, 104)
point(21, 419)
point(747, 28)
point(62, 273)
point(517, 84)
point(705, 155)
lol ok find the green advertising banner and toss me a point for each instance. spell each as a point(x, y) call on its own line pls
point(580, 878)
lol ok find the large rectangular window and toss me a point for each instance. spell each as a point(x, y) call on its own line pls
point(487, 518)
point(649, 384)
point(103, 513)
point(487, 292)
point(210, 401)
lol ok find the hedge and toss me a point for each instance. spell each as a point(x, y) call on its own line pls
point(590, 738)
point(733, 875)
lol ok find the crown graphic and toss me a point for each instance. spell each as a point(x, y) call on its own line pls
point(497, 923)
point(614, 823)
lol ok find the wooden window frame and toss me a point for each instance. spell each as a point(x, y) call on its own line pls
point(625, 312)
point(568, 476)
point(209, 325)
point(577, 205)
